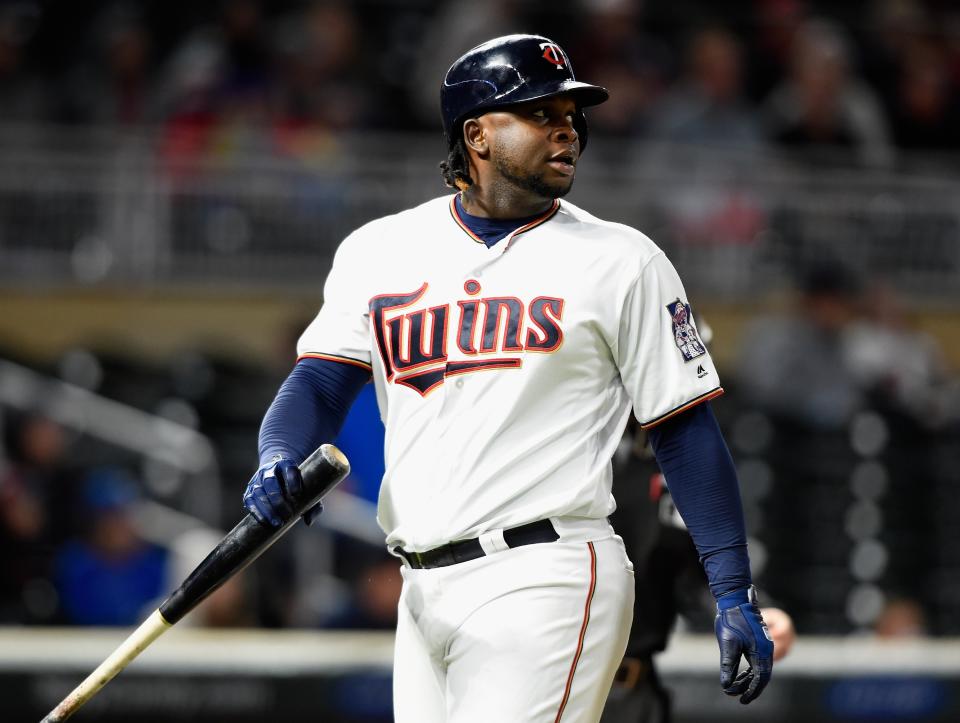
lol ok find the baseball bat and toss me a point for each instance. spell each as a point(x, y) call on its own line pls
point(321, 472)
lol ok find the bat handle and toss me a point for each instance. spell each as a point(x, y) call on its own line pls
point(151, 628)
point(321, 471)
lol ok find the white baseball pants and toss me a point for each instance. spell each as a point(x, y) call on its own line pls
point(532, 634)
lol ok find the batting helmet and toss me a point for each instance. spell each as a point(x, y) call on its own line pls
point(508, 70)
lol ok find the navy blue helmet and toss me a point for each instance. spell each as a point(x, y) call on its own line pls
point(508, 70)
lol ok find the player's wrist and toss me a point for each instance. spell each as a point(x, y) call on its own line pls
point(736, 598)
point(271, 457)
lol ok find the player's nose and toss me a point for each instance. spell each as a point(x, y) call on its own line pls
point(565, 133)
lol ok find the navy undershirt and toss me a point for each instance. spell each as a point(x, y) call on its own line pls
point(310, 408)
point(313, 402)
point(492, 230)
point(702, 479)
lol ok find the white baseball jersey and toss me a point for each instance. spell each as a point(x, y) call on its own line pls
point(505, 375)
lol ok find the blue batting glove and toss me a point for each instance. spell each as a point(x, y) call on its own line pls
point(741, 631)
point(273, 491)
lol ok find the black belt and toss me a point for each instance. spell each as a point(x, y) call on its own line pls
point(454, 552)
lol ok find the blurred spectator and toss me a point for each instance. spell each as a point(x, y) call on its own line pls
point(926, 108)
point(320, 80)
point(115, 86)
point(902, 368)
point(822, 108)
point(189, 95)
point(793, 365)
point(111, 575)
point(242, 35)
point(22, 98)
point(633, 65)
point(323, 88)
point(895, 25)
point(35, 500)
point(708, 107)
point(908, 62)
point(776, 24)
point(217, 87)
point(706, 127)
point(229, 606)
point(373, 602)
point(901, 618)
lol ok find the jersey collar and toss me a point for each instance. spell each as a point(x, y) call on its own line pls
point(508, 239)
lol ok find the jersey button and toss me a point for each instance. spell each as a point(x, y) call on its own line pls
point(459, 383)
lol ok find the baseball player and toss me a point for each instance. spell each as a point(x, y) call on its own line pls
point(509, 335)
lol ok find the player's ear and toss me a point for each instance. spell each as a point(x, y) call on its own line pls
point(475, 136)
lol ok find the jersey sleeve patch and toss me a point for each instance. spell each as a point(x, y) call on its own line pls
point(684, 333)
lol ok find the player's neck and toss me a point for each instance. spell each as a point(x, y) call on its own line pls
point(505, 203)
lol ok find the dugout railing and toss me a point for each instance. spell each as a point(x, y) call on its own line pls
point(345, 677)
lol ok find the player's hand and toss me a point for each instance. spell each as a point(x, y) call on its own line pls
point(273, 491)
point(741, 631)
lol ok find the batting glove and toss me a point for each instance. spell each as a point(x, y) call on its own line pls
point(741, 631)
point(273, 490)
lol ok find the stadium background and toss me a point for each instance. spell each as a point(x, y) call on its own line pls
point(174, 178)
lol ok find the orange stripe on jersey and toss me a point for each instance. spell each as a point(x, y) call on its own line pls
point(689, 405)
point(583, 631)
point(523, 229)
point(334, 358)
point(536, 222)
point(460, 223)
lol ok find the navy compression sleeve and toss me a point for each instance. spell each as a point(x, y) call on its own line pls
point(310, 408)
point(702, 479)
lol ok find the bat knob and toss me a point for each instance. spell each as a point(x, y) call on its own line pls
point(336, 456)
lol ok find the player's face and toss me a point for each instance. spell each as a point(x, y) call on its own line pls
point(534, 146)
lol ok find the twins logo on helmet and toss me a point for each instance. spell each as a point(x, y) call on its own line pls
point(552, 52)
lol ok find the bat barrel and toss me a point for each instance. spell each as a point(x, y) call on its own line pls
point(321, 472)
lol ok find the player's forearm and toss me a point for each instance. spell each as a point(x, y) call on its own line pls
point(700, 473)
point(310, 408)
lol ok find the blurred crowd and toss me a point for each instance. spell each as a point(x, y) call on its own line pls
point(859, 80)
point(865, 78)
point(842, 415)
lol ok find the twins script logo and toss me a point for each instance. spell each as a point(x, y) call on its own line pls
point(552, 52)
point(491, 333)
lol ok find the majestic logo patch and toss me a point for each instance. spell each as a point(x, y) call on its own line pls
point(684, 333)
point(552, 53)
